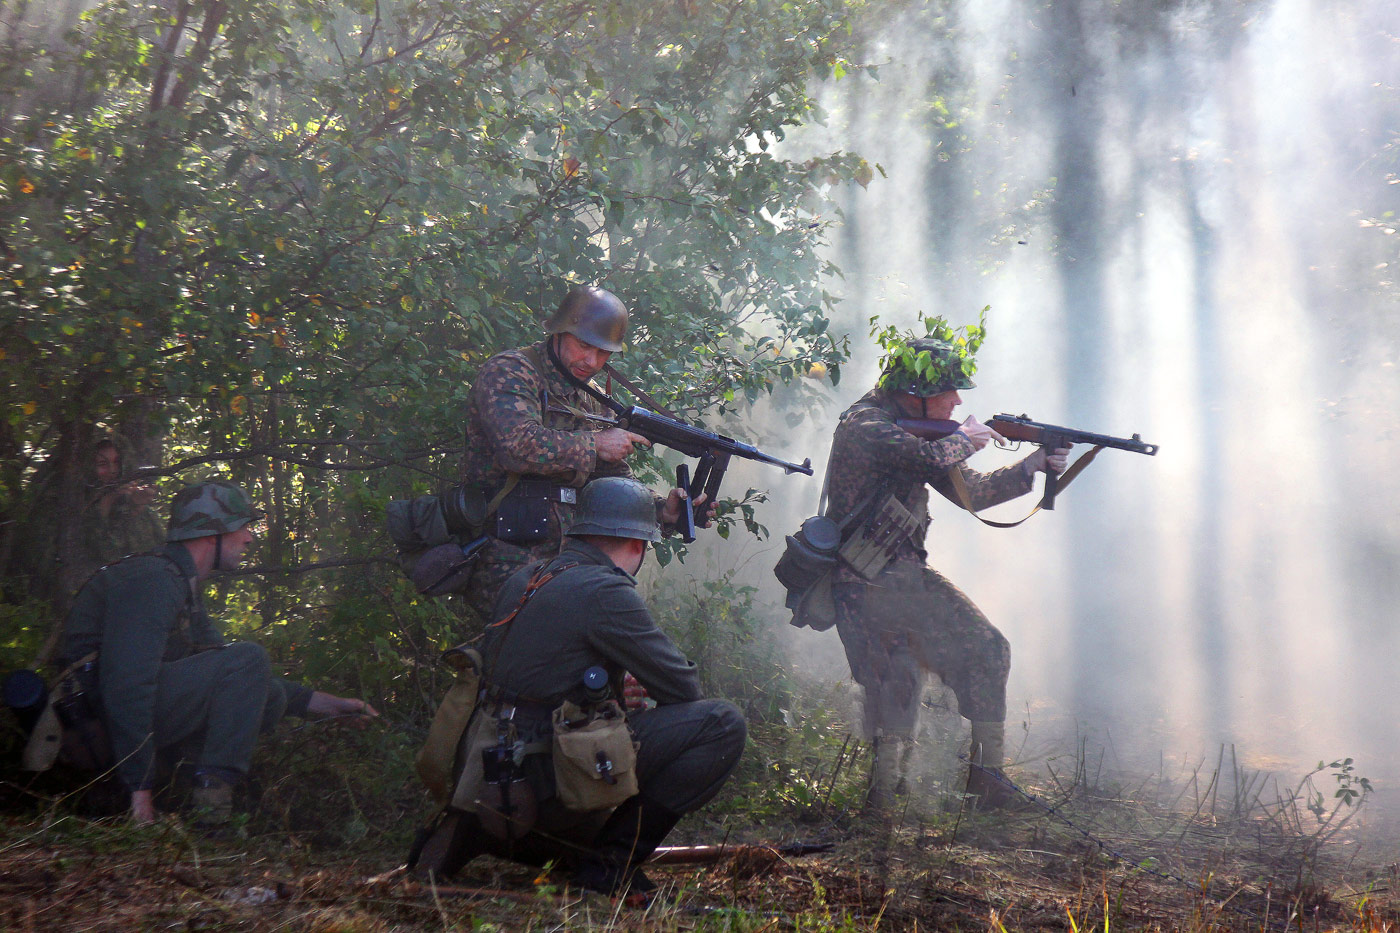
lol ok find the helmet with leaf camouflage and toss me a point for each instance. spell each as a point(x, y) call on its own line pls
point(942, 361)
point(215, 507)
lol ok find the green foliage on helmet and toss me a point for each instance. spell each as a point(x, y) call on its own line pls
point(942, 360)
point(215, 507)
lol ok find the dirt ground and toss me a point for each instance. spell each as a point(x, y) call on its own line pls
point(1074, 860)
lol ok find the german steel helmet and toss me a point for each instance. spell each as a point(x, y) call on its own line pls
point(617, 507)
point(213, 508)
point(946, 376)
point(594, 315)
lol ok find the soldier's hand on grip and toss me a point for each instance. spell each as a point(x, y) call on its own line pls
point(1044, 461)
point(615, 444)
point(978, 433)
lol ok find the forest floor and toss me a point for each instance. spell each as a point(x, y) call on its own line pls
point(1236, 854)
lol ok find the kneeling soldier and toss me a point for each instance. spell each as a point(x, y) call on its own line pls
point(546, 756)
point(165, 675)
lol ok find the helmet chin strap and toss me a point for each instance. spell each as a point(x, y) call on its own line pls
point(218, 551)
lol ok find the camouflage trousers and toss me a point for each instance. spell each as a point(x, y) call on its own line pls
point(912, 621)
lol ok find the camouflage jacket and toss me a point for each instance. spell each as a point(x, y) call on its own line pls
point(126, 529)
point(518, 422)
point(870, 452)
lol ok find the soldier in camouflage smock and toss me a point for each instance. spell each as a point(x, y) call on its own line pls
point(528, 429)
point(909, 620)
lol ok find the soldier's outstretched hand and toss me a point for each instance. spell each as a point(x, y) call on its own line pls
point(615, 444)
point(357, 713)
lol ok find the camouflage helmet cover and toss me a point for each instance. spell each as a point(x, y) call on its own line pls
point(215, 507)
point(594, 315)
point(616, 507)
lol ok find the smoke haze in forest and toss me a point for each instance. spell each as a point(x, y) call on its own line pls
point(1178, 214)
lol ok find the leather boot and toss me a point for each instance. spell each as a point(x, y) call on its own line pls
point(984, 772)
point(887, 777)
point(211, 798)
point(626, 840)
point(443, 846)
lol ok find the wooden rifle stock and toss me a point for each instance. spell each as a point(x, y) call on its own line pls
point(1051, 436)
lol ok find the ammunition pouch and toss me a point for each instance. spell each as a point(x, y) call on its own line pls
point(869, 550)
point(523, 515)
point(805, 571)
point(595, 759)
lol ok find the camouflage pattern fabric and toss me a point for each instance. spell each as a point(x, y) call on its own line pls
point(125, 529)
point(213, 508)
point(911, 620)
point(518, 422)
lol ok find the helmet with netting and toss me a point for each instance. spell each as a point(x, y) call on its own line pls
point(934, 367)
point(215, 507)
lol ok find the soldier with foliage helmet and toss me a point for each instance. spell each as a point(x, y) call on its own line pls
point(531, 444)
point(140, 638)
point(907, 619)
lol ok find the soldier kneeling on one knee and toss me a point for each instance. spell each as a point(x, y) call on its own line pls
point(550, 768)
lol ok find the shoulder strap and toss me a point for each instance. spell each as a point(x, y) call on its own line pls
point(537, 581)
point(955, 476)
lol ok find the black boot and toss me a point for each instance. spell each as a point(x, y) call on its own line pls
point(443, 846)
point(626, 840)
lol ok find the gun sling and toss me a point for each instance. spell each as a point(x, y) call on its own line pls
point(965, 497)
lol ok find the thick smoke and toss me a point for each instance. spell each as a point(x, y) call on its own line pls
point(1166, 206)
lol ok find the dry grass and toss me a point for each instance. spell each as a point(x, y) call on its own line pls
point(1218, 850)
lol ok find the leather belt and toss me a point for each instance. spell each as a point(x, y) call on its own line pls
point(543, 489)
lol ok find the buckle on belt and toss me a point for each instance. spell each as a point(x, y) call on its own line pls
point(568, 495)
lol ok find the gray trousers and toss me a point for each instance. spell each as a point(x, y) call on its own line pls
point(211, 706)
point(686, 751)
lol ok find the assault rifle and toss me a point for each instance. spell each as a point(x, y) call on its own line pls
point(1019, 429)
point(714, 451)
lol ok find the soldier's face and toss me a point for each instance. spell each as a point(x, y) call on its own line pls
point(235, 543)
point(107, 465)
point(581, 359)
point(936, 407)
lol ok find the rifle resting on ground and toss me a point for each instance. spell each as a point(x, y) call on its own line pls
point(1051, 436)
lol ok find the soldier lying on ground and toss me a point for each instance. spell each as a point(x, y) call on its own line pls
point(164, 673)
point(566, 630)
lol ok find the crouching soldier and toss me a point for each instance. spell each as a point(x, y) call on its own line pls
point(139, 634)
point(550, 768)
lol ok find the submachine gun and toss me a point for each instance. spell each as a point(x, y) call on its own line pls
point(713, 450)
point(1051, 436)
